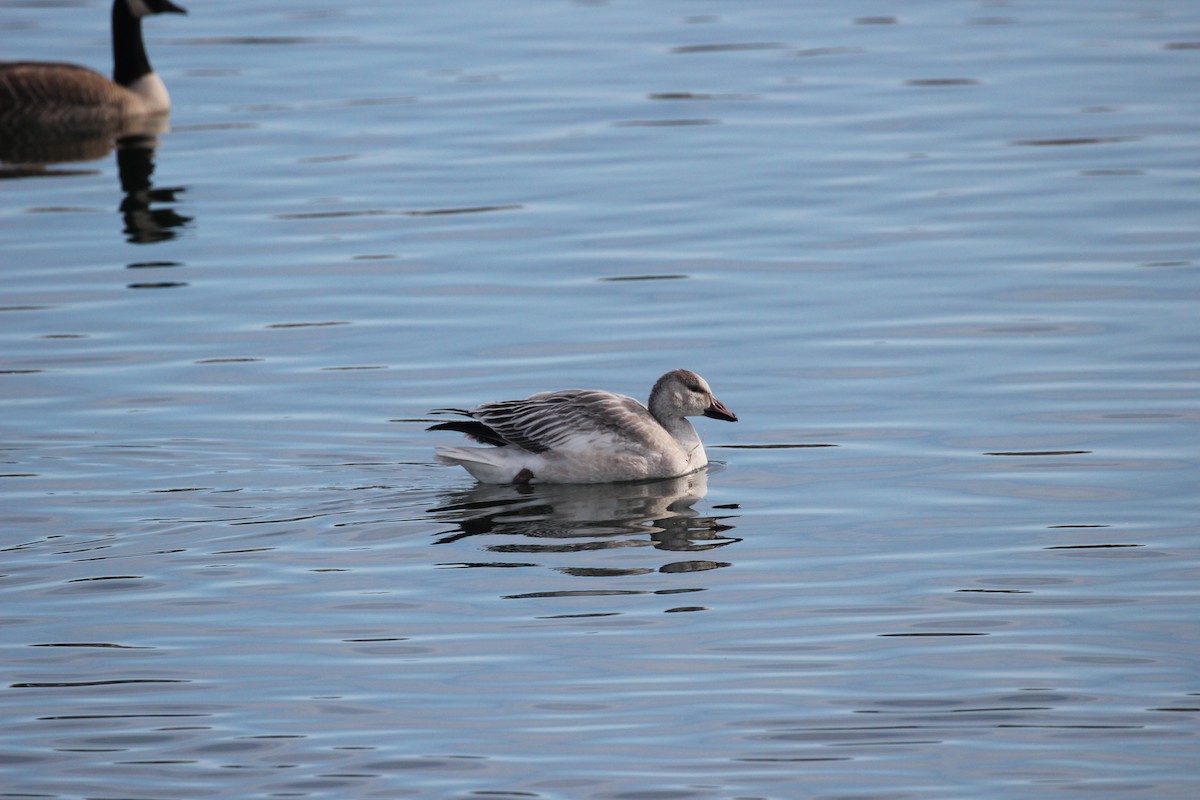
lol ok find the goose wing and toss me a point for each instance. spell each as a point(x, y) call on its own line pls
point(34, 84)
point(573, 419)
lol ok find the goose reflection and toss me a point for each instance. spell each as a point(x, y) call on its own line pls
point(144, 222)
point(561, 518)
point(33, 150)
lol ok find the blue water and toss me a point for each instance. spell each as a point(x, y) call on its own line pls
point(942, 261)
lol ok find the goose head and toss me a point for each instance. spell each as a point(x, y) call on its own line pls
point(682, 393)
point(144, 8)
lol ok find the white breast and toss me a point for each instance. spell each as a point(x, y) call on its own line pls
point(152, 93)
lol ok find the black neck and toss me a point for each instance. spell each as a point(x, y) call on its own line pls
point(129, 53)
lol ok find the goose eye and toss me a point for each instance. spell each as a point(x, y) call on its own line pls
point(691, 387)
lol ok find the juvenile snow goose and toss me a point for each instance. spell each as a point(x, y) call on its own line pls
point(57, 93)
point(587, 435)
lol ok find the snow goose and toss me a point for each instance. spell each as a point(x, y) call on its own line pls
point(57, 93)
point(587, 435)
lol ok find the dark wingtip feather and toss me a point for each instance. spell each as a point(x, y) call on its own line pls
point(475, 430)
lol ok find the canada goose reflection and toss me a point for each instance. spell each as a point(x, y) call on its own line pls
point(144, 218)
point(28, 146)
point(571, 518)
point(145, 223)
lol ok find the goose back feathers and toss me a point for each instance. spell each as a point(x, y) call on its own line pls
point(587, 435)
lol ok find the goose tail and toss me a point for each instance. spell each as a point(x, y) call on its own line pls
point(486, 464)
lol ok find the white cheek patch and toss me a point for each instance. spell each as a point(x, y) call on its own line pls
point(138, 8)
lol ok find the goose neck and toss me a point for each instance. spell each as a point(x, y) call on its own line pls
point(680, 428)
point(129, 51)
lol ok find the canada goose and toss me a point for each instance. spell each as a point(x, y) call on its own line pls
point(587, 435)
point(59, 93)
